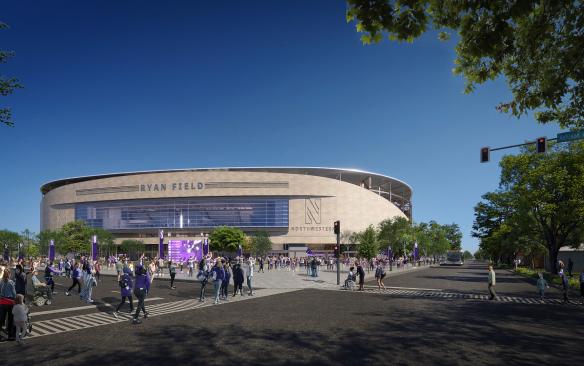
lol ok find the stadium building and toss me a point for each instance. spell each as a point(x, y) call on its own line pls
point(297, 206)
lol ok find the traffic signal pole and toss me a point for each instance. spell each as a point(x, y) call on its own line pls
point(339, 259)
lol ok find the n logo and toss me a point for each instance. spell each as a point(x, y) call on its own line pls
point(312, 211)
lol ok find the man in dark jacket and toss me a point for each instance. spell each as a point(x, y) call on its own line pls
point(141, 288)
point(361, 274)
point(20, 280)
point(237, 279)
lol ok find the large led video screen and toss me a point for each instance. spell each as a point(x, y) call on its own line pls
point(182, 250)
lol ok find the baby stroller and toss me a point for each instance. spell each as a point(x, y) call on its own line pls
point(350, 282)
point(40, 296)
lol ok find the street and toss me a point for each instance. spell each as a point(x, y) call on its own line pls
point(433, 316)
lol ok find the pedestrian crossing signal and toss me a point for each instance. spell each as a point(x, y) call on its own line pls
point(337, 253)
point(485, 152)
point(541, 145)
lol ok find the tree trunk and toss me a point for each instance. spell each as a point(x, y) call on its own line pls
point(552, 265)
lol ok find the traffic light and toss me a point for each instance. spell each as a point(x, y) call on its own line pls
point(337, 227)
point(337, 253)
point(541, 144)
point(485, 152)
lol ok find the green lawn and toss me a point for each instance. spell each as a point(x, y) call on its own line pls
point(555, 279)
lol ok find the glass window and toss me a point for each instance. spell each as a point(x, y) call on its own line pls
point(185, 213)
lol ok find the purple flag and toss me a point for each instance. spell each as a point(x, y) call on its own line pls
point(205, 246)
point(161, 244)
point(51, 250)
point(308, 251)
point(239, 251)
point(94, 248)
point(416, 251)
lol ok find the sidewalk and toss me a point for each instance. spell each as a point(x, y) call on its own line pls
point(284, 279)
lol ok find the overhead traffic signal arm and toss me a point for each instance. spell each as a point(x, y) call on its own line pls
point(541, 147)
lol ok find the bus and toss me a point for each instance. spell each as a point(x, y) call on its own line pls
point(453, 258)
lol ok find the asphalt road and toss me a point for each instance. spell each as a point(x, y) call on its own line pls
point(331, 327)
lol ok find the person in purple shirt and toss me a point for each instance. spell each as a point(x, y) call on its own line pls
point(126, 287)
point(141, 289)
point(75, 275)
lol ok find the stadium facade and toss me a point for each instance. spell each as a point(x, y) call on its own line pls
point(297, 206)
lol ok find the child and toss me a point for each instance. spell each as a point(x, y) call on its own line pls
point(19, 312)
point(541, 286)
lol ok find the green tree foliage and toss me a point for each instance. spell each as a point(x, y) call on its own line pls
point(368, 245)
point(536, 45)
point(9, 239)
point(7, 85)
point(226, 239)
point(75, 238)
point(132, 248)
point(261, 243)
point(453, 235)
point(538, 208)
point(467, 255)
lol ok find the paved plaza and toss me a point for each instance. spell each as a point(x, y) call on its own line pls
point(425, 316)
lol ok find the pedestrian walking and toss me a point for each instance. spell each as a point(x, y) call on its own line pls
point(141, 289)
point(237, 279)
point(565, 287)
point(172, 271)
point(225, 283)
point(7, 297)
point(541, 286)
point(20, 280)
point(249, 275)
point(75, 276)
point(119, 268)
point(126, 288)
point(67, 266)
point(20, 314)
point(379, 276)
point(361, 274)
point(218, 275)
point(203, 277)
point(88, 283)
point(97, 268)
point(492, 282)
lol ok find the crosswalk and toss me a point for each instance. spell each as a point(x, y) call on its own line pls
point(85, 321)
point(464, 296)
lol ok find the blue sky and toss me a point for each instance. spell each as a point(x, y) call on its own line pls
point(136, 85)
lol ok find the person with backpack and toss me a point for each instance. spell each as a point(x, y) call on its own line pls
point(203, 277)
point(361, 274)
point(126, 287)
point(67, 266)
point(141, 289)
point(380, 275)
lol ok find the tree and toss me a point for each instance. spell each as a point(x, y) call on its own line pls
point(226, 238)
point(75, 238)
point(132, 248)
point(10, 240)
point(537, 45)
point(467, 255)
point(105, 241)
point(7, 85)
point(261, 243)
point(540, 202)
point(395, 233)
point(368, 245)
point(453, 235)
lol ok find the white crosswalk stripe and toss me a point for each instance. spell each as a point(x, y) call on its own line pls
point(456, 295)
point(85, 321)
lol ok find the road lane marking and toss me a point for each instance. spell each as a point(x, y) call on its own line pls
point(79, 308)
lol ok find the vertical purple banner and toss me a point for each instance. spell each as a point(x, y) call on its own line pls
point(416, 252)
point(51, 250)
point(389, 253)
point(161, 244)
point(239, 251)
point(205, 246)
point(94, 248)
